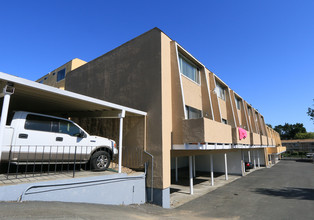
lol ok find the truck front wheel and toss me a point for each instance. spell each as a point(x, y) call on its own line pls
point(100, 161)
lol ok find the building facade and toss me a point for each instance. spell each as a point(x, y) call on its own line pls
point(299, 145)
point(193, 116)
point(56, 77)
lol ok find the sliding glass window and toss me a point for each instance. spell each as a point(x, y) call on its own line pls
point(220, 91)
point(188, 69)
point(193, 113)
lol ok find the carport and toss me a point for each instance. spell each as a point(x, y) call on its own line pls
point(22, 94)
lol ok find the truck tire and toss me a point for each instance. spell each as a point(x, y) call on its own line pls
point(100, 161)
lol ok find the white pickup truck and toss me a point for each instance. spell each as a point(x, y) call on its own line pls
point(37, 138)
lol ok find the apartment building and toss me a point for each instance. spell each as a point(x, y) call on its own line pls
point(193, 118)
point(56, 77)
point(299, 145)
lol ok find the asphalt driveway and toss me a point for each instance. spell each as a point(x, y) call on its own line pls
point(285, 191)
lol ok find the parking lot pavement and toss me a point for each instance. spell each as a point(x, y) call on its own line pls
point(285, 191)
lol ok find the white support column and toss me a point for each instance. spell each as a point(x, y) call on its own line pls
point(122, 115)
point(249, 155)
point(4, 114)
point(194, 172)
point(226, 167)
point(191, 174)
point(212, 169)
point(242, 163)
point(258, 160)
point(254, 160)
point(176, 169)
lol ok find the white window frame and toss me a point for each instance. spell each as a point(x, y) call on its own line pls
point(221, 92)
point(190, 109)
point(238, 104)
point(197, 76)
point(224, 121)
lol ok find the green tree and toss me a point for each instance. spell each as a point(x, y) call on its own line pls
point(310, 112)
point(289, 131)
point(308, 135)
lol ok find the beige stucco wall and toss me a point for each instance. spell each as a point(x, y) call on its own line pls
point(236, 137)
point(206, 130)
point(166, 110)
point(223, 108)
point(255, 139)
point(192, 93)
point(131, 75)
point(264, 140)
point(240, 118)
point(75, 63)
point(214, 97)
point(177, 98)
point(206, 99)
point(51, 78)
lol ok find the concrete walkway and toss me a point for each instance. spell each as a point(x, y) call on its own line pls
point(180, 191)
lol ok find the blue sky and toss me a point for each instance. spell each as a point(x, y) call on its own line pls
point(264, 50)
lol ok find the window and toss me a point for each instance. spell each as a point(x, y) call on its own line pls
point(224, 121)
point(38, 123)
point(193, 113)
point(61, 75)
point(42, 123)
point(249, 110)
point(41, 81)
point(238, 103)
point(220, 91)
point(188, 69)
point(69, 128)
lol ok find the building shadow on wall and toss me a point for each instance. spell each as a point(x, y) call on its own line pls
point(288, 193)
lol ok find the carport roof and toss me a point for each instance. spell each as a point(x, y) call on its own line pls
point(35, 97)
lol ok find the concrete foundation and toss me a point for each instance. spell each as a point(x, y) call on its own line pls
point(117, 189)
point(161, 197)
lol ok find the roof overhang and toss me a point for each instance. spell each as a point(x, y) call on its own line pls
point(35, 97)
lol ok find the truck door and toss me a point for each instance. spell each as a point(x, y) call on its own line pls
point(73, 140)
point(34, 139)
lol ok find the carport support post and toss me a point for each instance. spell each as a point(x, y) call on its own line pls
point(249, 155)
point(121, 116)
point(258, 161)
point(226, 166)
point(211, 169)
point(176, 169)
point(4, 114)
point(191, 174)
point(194, 173)
point(242, 163)
point(254, 160)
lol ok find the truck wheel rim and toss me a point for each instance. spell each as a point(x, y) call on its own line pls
point(101, 161)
